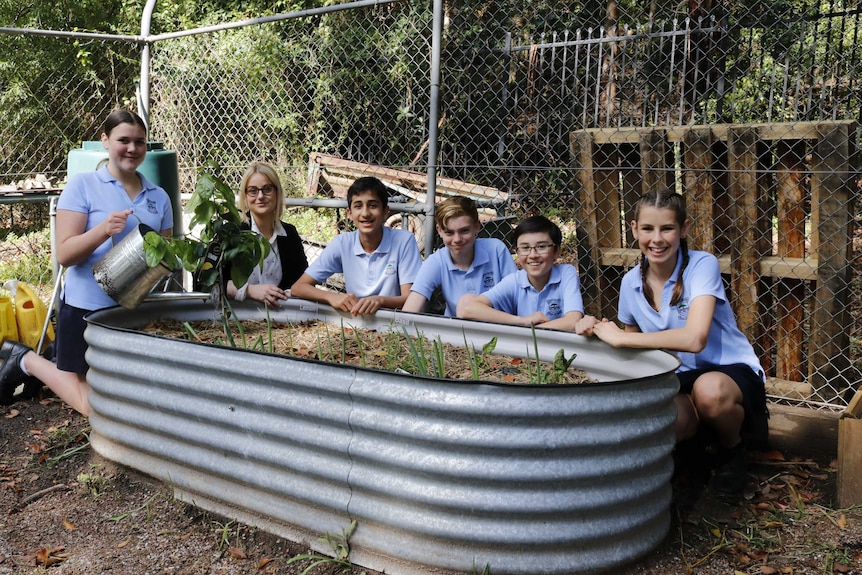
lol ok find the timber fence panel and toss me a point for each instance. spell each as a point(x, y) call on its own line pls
point(773, 203)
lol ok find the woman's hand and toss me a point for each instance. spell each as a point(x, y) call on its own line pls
point(269, 294)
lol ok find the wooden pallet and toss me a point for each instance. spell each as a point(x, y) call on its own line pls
point(772, 201)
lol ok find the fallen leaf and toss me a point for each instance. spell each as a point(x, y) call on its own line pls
point(69, 525)
point(516, 361)
point(767, 570)
point(772, 524)
point(840, 567)
point(786, 570)
point(508, 378)
point(237, 553)
point(771, 456)
point(12, 413)
point(35, 431)
point(123, 543)
point(842, 521)
point(263, 563)
point(49, 556)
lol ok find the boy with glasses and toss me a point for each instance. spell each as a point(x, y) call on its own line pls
point(542, 293)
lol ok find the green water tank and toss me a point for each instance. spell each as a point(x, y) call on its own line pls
point(159, 166)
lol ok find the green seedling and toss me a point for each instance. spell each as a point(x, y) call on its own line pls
point(417, 352)
point(223, 533)
point(340, 545)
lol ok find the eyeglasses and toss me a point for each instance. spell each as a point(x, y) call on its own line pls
point(266, 190)
point(541, 249)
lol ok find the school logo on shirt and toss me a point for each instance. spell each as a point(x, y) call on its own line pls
point(555, 308)
point(151, 207)
point(390, 268)
point(682, 308)
point(488, 280)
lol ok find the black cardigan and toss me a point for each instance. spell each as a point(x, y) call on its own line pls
point(290, 252)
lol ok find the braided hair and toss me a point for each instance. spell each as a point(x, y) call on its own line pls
point(664, 198)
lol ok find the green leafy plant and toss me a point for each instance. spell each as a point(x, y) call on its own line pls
point(340, 545)
point(221, 243)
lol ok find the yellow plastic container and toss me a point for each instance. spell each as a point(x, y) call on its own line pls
point(8, 325)
point(30, 314)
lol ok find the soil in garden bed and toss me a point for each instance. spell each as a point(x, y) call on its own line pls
point(391, 350)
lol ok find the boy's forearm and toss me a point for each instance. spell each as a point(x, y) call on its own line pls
point(483, 312)
point(567, 322)
point(310, 292)
point(393, 302)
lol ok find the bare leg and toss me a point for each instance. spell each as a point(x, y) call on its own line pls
point(687, 420)
point(70, 387)
point(718, 401)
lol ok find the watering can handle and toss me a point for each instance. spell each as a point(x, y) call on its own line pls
point(113, 242)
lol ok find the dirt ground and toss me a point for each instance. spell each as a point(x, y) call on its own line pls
point(66, 510)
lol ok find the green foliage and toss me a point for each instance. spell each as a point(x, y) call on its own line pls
point(216, 216)
point(340, 545)
point(32, 263)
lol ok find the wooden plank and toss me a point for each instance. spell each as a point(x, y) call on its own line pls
point(791, 243)
point(654, 165)
point(609, 224)
point(832, 186)
point(589, 252)
point(744, 189)
point(343, 170)
point(632, 180)
point(799, 390)
point(772, 131)
point(803, 431)
point(770, 266)
point(698, 183)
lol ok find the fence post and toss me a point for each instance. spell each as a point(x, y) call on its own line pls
point(791, 244)
point(599, 216)
point(749, 242)
point(832, 234)
point(698, 182)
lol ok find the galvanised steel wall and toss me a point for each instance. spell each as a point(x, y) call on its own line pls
point(439, 474)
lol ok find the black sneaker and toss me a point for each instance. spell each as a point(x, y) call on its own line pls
point(32, 386)
point(731, 475)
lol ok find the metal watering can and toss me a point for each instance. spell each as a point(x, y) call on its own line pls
point(123, 272)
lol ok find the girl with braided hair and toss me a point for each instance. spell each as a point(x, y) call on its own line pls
point(675, 300)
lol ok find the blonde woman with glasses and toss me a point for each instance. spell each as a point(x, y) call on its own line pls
point(261, 201)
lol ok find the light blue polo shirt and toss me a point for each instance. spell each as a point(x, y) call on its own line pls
point(517, 296)
point(98, 194)
point(395, 262)
point(725, 345)
point(491, 263)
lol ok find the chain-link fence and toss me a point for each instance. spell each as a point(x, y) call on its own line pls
point(570, 110)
